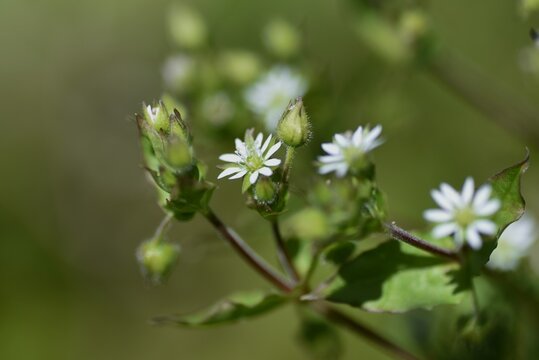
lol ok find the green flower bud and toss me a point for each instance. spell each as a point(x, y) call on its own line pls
point(281, 39)
point(265, 191)
point(157, 259)
point(187, 27)
point(294, 128)
point(156, 116)
point(239, 66)
point(179, 153)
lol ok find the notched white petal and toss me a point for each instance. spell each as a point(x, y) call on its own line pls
point(228, 171)
point(437, 215)
point(233, 158)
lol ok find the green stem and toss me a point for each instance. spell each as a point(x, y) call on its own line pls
point(282, 253)
point(289, 158)
point(248, 254)
point(158, 237)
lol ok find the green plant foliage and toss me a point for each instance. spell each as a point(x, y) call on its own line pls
point(395, 277)
point(236, 307)
point(506, 187)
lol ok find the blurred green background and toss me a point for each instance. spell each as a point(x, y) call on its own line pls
point(74, 203)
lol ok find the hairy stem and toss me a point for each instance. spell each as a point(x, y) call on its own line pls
point(355, 326)
point(404, 236)
point(283, 254)
point(248, 254)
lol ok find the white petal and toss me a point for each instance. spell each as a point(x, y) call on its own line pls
point(258, 140)
point(272, 162)
point(233, 158)
point(357, 138)
point(473, 238)
point(330, 158)
point(266, 144)
point(266, 171)
point(437, 215)
point(481, 196)
point(228, 171)
point(342, 140)
point(444, 230)
point(467, 190)
point(489, 208)
point(372, 145)
point(240, 147)
point(272, 150)
point(238, 175)
point(325, 169)
point(372, 135)
point(331, 148)
point(441, 200)
point(341, 170)
point(451, 194)
point(253, 177)
point(486, 227)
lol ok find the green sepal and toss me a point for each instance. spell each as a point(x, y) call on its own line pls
point(236, 307)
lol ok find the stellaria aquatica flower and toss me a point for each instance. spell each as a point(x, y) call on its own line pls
point(347, 151)
point(464, 215)
point(252, 158)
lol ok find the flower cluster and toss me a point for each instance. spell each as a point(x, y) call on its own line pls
point(464, 215)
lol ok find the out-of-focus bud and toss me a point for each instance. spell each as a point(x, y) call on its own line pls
point(240, 66)
point(281, 39)
point(528, 7)
point(218, 109)
point(187, 27)
point(179, 73)
point(265, 191)
point(156, 259)
point(294, 128)
point(309, 224)
point(413, 25)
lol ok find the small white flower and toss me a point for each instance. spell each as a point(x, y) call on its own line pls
point(348, 150)
point(514, 244)
point(251, 158)
point(463, 215)
point(152, 112)
point(271, 94)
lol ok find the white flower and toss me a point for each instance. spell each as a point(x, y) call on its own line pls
point(252, 158)
point(348, 150)
point(152, 112)
point(271, 94)
point(463, 215)
point(514, 244)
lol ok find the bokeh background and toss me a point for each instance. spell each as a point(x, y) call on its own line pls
point(74, 203)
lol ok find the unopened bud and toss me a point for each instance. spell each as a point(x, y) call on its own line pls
point(157, 259)
point(294, 128)
point(265, 191)
point(281, 38)
point(241, 67)
point(187, 27)
point(156, 116)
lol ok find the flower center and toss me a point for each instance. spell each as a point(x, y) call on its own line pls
point(254, 161)
point(465, 217)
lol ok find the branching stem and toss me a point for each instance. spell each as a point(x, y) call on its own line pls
point(282, 252)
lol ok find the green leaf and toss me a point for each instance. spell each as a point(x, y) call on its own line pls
point(506, 187)
point(396, 277)
point(237, 307)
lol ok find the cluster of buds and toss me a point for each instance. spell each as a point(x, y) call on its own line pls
point(178, 177)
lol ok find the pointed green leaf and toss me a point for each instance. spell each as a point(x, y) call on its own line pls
point(506, 187)
point(396, 277)
point(237, 307)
